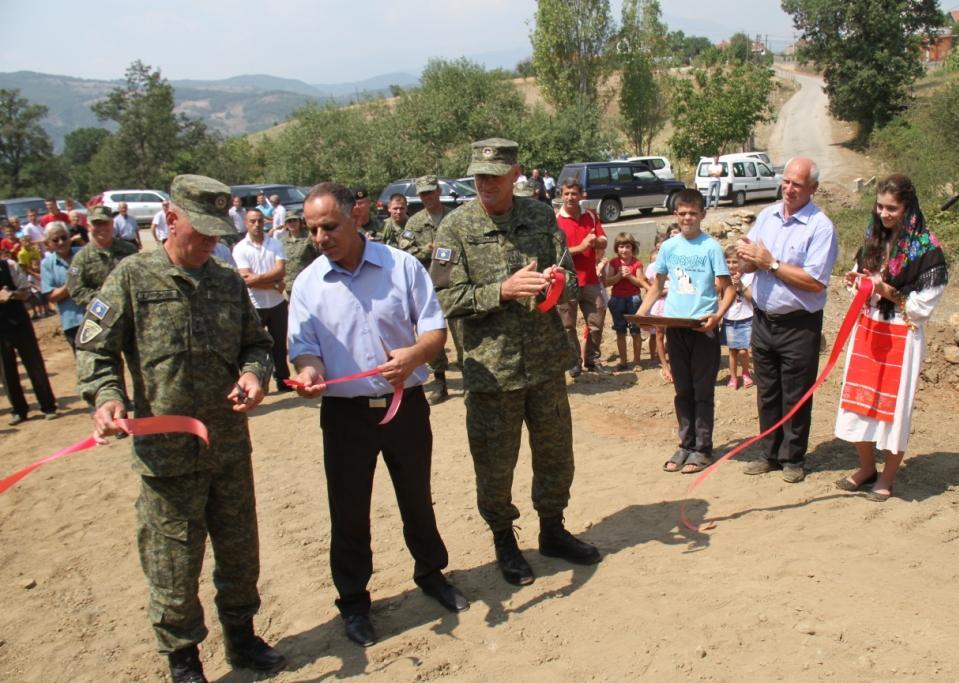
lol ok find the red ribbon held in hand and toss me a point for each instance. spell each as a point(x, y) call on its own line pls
point(394, 404)
point(862, 296)
point(141, 426)
point(554, 291)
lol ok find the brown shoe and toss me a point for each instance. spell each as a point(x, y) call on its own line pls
point(438, 395)
point(761, 466)
point(793, 474)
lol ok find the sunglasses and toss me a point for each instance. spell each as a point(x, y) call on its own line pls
point(61, 238)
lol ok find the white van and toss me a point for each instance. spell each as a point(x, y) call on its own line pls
point(744, 177)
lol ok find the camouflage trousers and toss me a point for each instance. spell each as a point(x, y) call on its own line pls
point(594, 311)
point(494, 423)
point(442, 362)
point(174, 516)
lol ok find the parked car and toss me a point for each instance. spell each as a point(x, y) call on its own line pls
point(291, 196)
point(612, 187)
point(744, 177)
point(143, 205)
point(77, 206)
point(453, 193)
point(469, 181)
point(660, 165)
point(18, 207)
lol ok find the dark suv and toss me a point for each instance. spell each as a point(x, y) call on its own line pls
point(18, 207)
point(291, 197)
point(452, 194)
point(611, 187)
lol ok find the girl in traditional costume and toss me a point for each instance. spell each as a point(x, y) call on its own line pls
point(908, 270)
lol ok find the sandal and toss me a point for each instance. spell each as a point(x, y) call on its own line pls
point(747, 380)
point(732, 384)
point(877, 497)
point(847, 484)
point(676, 462)
point(696, 462)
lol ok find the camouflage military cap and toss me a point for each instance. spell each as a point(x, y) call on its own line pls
point(494, 156)
point(293, 216)
point(100, 213)
point(206, 202)
point(523, 188)
point(426, 183)
point(360, 193)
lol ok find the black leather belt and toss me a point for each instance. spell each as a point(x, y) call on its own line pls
point(792, 315)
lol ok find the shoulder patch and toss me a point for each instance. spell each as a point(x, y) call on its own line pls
point(98, 309)
point(89, 331)
point(408, 234)
point(74, 270)
point(442, 254)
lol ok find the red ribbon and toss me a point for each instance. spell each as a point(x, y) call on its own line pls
point(862, 296)
point(554, 291)
point(141, 426)
point(394, 403)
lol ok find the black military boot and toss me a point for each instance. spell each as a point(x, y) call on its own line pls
point(555, 541)
point(246, 650)
point(185, 665)
point(512, 564)
point(440, 393)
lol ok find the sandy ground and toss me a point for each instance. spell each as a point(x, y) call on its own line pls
point(797, 582)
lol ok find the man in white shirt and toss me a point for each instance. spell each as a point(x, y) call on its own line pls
point(158, 225)
point(32, 227)
point(261, 262)
point(238, 215)
point(125, 226)
point(279, 212)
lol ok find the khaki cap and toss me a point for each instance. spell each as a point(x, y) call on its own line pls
point(100, 213)
point(494, 156)
point(206, 202)
point(426, 183)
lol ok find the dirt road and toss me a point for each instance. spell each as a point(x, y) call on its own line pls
point(805, 128)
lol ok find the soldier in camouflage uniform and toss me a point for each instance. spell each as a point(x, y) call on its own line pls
point(370, 224)
point(417, 239)
point(486, 270)
point(300, 249)
point(394, 225)
point(195, 347)
point(91, 265)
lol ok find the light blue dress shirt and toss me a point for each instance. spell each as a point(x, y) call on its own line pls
point(347, 318)
point(53, 274)
point(808, 240)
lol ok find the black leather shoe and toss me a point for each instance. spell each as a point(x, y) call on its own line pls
point(445, 593)
point(185, 665)
point(359, 629)
point(556, 541)
point(246, 650)
point(439, 394)
point(512, 564)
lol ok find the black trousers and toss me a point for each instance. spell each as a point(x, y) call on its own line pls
point(785, 364)
point(22, 340)
point(352, 439)
point(275, 321)
point(694, 362)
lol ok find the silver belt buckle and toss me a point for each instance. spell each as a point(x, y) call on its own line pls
point(377, 403)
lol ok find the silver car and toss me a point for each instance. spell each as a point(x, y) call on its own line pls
point(143, 205)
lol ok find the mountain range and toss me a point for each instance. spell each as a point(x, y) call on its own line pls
point(233, 106)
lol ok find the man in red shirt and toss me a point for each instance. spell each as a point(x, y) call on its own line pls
point(53, 213)
point(586, 240)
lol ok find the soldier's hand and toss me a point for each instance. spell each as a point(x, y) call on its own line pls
point(524, 283)
point(313, 384)
point(247, 393)
point(103, 420)
point(401, 364)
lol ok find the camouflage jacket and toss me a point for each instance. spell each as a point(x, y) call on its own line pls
point(391, 232)
point(186, 338)
point(300, 252)
point(419, 234)
point(508, 345)
point(373, 228)
point(90, 267)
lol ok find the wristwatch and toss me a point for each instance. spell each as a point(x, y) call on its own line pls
point(774, 266)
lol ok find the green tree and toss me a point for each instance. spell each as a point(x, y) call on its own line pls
point(552, 140)
point(571, 41)
point(80, 146)
point(524, 68)
point(685, 49)
point(25, 148)
point(740, 48)
point(642, 47)
point(718, 107)
point(868, 51)
point(143, 149)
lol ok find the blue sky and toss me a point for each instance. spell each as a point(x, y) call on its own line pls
point(316, 41)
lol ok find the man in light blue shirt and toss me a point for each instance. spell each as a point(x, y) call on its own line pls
point(53, 279)
point(359, 306)
point(792, 249)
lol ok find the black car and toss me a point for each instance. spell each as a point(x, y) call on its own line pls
point(453, 193)
point(18, 207)
point(291, 197)
point(611, 187)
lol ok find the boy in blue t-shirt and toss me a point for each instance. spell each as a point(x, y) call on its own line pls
point(699, 287)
